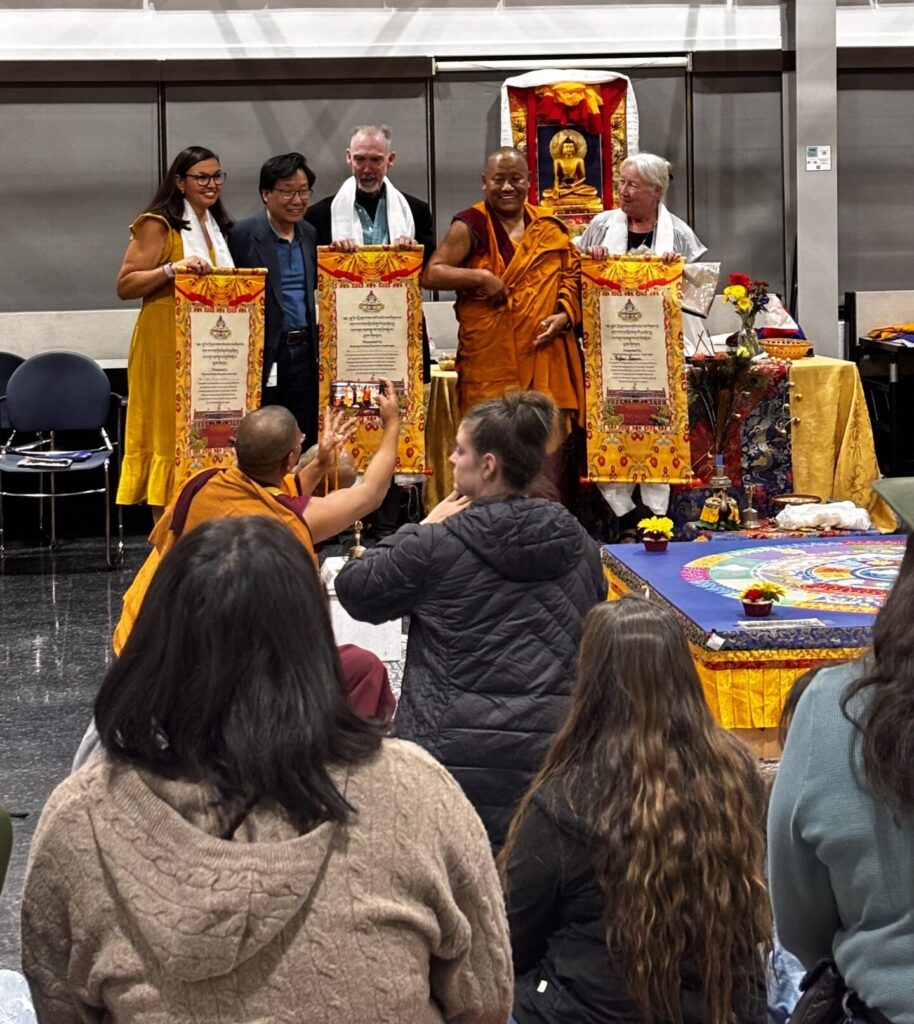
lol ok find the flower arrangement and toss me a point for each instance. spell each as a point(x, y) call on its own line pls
point(765, 592)
point(656, 528)
point(750, 298)
point(722, 388)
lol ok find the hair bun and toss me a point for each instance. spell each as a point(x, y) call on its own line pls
point(517, 429)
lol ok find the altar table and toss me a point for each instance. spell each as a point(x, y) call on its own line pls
point(811, 434)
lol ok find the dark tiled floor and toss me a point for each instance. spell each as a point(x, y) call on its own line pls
point(57, 614)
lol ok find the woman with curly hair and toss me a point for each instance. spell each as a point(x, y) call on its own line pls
point(634, 864)
point(841, 824)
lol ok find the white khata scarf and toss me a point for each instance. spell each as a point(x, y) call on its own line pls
point(345, 223)
point(194, 241)
point(615, 233)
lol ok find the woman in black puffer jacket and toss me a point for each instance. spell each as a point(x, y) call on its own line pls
point(497, 585)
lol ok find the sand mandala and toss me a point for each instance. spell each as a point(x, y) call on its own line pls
point(842, 576)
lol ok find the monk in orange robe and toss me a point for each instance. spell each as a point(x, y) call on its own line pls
point(268, 446)
point(517, 278)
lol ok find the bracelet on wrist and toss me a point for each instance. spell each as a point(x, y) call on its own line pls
point(169, 269)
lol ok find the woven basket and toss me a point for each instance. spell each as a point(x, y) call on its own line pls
point(785, 348)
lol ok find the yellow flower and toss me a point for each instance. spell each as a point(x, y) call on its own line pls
point(735, 291)
point(657, 526)
point(744, 305)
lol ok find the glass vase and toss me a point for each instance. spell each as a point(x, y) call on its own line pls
point(748, 338)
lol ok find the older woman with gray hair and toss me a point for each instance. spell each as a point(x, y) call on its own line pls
point(642, 219)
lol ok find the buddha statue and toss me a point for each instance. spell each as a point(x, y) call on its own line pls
point(570, 188)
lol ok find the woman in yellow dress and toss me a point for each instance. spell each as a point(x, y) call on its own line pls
point(181, 230)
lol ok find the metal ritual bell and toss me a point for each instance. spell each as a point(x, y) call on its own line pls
point(750, 515)
point(356, 551)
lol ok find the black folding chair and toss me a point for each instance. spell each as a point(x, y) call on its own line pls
point(51, 393)
point(9, 363)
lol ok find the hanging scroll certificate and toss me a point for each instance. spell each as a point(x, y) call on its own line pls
point(637, 408)
point(371, 330)
point(219, 363)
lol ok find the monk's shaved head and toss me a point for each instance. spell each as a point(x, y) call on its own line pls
point(264, 438)
point(503, 153)
point(506, 182)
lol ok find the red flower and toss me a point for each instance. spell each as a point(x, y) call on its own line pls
point(742, 279)
point(753, 594)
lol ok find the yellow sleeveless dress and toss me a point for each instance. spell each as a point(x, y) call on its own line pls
point(148, 469)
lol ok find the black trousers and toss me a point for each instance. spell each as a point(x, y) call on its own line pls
point(296, 386)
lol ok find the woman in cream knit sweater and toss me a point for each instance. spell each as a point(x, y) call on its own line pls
point(247, 850)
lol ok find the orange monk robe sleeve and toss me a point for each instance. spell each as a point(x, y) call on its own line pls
point(569, 298)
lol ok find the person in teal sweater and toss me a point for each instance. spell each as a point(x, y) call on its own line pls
point(841, 820)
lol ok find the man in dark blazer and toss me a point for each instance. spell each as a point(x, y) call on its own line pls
point(279, 239)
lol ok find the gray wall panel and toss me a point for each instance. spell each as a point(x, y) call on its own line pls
point(245, 124)
point(739, 189)
point(467, 128)
point(78, 164)
point(661, 99)
point(875, 157)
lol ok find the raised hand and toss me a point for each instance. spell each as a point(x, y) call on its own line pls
point(388, 404)
point(337, 428)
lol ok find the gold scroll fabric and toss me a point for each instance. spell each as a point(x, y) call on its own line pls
point(381, 269)
point(232, 303)
point(632, 442)
point(747, 689)
point(440, 435)
point(832, 437)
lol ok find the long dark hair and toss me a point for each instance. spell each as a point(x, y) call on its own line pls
point(168, 201)
point(516, 429)
point(230, 676)
point(888, 732)
point(673, 808)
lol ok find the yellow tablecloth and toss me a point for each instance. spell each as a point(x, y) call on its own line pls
point(440, 434)
point(832, 438)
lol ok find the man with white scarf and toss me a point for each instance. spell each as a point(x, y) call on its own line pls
point(369, 210)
